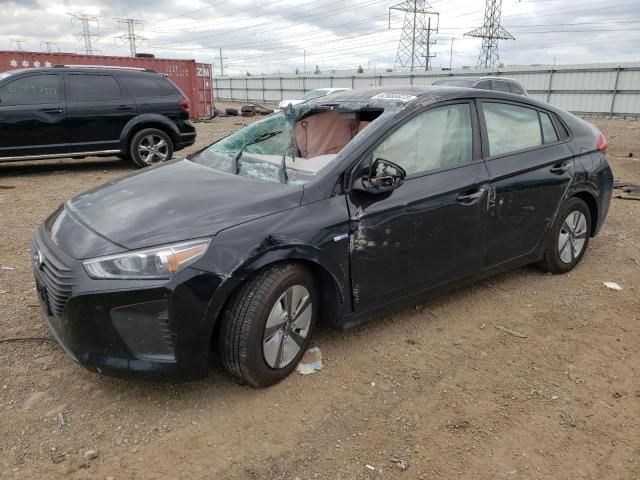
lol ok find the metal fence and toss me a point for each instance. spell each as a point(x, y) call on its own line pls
point(609, 89)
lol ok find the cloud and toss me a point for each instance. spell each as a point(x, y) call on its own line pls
point(278, 35)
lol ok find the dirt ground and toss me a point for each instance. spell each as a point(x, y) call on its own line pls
point(436, 385)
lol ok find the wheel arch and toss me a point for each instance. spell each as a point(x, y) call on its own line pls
point(590, 199)
point(332, 296)
point(148, 121)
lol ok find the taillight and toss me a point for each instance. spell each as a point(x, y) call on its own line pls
point(184, 105)
point(602, 143)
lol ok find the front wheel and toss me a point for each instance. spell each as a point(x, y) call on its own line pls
point(150, 146)
point(568, 238)
point(268, 324)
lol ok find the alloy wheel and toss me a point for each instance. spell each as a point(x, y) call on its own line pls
point(153, 149)
point(287, 327)
point(573, 236)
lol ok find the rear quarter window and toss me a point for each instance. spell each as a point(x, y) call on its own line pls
point(148, 86)
point(516, 89)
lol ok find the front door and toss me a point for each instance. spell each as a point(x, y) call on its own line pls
point(32, 113)
point(98, 110)
point(531, 168)
point(430, 230)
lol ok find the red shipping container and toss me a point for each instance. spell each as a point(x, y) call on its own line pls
point(194, 79)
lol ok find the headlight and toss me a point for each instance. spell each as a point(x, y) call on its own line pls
point(160, 262)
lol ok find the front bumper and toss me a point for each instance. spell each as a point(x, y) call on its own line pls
point(152, 330)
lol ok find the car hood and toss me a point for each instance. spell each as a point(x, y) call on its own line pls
point(177, 201)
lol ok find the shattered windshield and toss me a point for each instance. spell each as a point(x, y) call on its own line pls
point(291, 146)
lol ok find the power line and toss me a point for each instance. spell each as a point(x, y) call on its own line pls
point(131, 37)
point(86, 36)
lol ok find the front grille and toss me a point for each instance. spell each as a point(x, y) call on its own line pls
point(55, 280)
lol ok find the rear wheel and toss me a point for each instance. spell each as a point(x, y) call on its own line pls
point(568, 239)
point(268, 324)
point(150, 146)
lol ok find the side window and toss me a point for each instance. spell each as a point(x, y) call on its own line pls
point(31, 90)
point(147, 86)
point(437, 138)
point(500, 86)
point(91, 88)
point(515, 88)
point(549, 134)
point(510, 127)
point(484, 84)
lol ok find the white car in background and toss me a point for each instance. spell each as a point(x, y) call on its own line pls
point(310, 95)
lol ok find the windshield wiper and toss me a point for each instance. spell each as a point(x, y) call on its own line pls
point(284, 177)
point(258, 139)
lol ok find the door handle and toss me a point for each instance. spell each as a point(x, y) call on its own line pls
point(560, 168)
point(125, 107)
point(52, 110)
point(471, 197)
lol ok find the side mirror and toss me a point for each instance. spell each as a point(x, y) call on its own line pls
point(383, 176)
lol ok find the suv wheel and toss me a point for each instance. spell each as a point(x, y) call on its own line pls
point(268, 324)
point(150, 146)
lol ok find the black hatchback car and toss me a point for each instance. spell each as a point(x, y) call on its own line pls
point(329, 211)
point(79, 111)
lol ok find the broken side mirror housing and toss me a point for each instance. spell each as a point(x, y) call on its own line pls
point(382, 176)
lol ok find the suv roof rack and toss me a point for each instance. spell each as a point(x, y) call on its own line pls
point(109, 67)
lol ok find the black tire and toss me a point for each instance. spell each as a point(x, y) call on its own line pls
point(551, 260)
point(141, 139)
point(231, 111)
point(241, 336)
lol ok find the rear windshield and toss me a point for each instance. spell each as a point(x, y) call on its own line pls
point(291, 146)
point(455, 83)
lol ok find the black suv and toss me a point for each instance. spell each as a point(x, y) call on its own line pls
point(77, 111)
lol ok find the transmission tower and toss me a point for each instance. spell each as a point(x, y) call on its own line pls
point(131, 37)
point(18, 42)
point(47, 46)
point(415, 41)
point(86, 36)
point(490, 33)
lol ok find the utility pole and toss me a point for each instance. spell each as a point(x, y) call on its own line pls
point(131, 37)
point(451, 55)
point(415, 40)
point(86, 36)
point(221, 58)
point(490, 33)
point(47, 46)
point(18, 42)
point(428, 56)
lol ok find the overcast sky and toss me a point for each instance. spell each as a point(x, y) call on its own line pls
point(272, 35)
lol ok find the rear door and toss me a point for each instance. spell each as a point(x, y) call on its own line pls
point(530, 168)
point(430, 230)
point(32, 114)
point(97, 111)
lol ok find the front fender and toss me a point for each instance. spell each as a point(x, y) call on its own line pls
point(315, 234)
